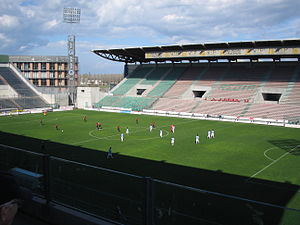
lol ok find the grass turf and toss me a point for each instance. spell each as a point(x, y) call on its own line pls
point(253, 152)
point(242, 149)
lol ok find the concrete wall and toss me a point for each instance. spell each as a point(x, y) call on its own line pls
point(7, 91)
point(57, 98)
point(87, 96)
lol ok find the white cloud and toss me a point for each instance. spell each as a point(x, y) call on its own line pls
point(29, 13)
point(29, 26)
point(8, 21)
point(3, 37)
point(173, 18)
point(50, 24)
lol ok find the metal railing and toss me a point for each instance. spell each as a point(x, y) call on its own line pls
point(129, 199)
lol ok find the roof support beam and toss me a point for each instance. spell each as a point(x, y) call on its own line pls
point(207, 51)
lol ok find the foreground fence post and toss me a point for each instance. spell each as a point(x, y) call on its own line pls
point(46, 167)
point(149, 201)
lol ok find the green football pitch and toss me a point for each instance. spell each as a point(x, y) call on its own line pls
point(248, 150)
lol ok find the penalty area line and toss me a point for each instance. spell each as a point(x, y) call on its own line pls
point(272, 163)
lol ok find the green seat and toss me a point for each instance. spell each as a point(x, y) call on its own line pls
point(167, 82)
point(155, 75)
point(107, 101)
point(135, 77)
point(135, 103)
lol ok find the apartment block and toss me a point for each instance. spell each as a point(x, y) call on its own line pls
point(47, 71)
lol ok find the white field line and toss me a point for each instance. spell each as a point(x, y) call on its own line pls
point(265, 153)
point(95, 138)
point(136, 139)
point(275, 161)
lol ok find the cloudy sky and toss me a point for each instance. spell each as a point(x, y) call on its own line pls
point(35, 27)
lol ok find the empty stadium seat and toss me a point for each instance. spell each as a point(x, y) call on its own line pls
point(234, 89)
point(27, 98)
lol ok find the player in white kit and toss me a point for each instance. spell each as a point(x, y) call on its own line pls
point(208, 134)
point(212, 134)
point(197, 139)
point(122, 137)
point(160, 133)
point(172, 141)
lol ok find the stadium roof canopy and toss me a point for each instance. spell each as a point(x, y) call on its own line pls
point(208, 51)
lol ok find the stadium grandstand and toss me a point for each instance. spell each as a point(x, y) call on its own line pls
point(19, 92)
point(15, 91)
point(81, 174)
point(251, 79)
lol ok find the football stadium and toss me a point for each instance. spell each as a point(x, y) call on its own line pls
point(194, 134)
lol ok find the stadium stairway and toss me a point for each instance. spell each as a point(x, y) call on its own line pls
point(194, 84)
point(27, 97)
point(240, 82)
point(184, 82)
point(209, 77)
point(167, 82)
point(196, 106)
point(155, 76)
point(134, 78)
point(173, 88)
point(261, 85)
point(278, 78)
point(152, 84)
point(174, 99)
point(292, 94)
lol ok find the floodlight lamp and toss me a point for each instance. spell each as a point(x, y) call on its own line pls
point(71, 15)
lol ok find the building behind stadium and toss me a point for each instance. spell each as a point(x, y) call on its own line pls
point(44, 71)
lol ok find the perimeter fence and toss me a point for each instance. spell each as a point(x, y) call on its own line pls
point(129, 199)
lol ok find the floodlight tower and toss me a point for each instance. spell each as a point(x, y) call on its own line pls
point(71, 15)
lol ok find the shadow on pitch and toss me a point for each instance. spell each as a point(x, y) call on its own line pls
point(289, 145)
point(107, 191)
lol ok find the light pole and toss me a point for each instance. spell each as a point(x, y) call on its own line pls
point(71, 15)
